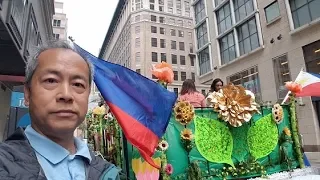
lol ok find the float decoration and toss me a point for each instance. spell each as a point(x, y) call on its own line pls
point(263, 137)
point(234, 105)
point(214, 140)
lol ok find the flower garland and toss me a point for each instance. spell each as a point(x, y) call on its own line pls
point(164, 73)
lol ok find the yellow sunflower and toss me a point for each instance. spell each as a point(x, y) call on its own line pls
point(186, 134)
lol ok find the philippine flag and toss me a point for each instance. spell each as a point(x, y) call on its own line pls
point(310, 84)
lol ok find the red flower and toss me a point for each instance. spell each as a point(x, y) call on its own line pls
point(169, 169)
point(293, 87)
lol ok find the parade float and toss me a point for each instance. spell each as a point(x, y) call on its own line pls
point(234, 139)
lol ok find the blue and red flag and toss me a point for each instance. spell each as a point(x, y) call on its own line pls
point(141, 106)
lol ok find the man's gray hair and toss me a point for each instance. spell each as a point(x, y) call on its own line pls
point(32, 62)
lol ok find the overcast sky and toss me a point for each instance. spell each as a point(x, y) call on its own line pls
point(88, 21)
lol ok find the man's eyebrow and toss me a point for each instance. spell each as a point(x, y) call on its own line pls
point(57, 73)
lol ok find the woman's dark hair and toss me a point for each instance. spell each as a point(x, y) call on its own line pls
point(188, 87)
point(213, 85)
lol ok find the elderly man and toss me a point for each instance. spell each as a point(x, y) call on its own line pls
point(57, 87)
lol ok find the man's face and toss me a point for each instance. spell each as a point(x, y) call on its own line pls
point(59, 92)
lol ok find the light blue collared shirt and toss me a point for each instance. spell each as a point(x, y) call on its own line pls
point(57, 162)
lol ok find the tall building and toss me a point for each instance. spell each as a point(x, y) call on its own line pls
point(145, 32)
point(261, 44)
point(59, 22)
point(24, 24)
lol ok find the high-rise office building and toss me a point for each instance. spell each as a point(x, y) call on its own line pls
point(59, 22)
point(145, 32)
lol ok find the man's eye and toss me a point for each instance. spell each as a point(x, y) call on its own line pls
point(79, 85)
point(50, 80)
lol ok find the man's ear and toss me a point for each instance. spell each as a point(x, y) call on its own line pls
point(26, 95)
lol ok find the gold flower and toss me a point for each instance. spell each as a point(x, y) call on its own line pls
point(234, 104)
point(287, 131)
point(186, 134)
point(184, 112)
point(277, 113)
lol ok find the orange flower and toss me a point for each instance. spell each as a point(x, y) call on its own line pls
point(293, 87)
point(163, 71)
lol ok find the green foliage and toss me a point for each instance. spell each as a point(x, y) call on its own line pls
point(214, 140)
point(263, 137)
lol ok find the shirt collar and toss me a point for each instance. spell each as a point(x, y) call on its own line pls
point(52, 151)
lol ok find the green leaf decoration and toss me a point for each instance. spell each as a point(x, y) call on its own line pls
point(240, 145)
point(263, 137)
point(213, 140)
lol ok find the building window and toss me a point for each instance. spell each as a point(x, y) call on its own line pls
point(242, 9)
point(137, 29)
point(183, 76)
point(173, 32)
point(162, 30)
point(303, 11)
point(217, 2)
point(180, 23)
point(154, 42)
point(152, 6)
point(191, 47)
point(174, 59)
point(172, 21)
point(154, 57)
point(56, 23)
point(272, 11)
point(173, 45)
point(200, 11)
point(227, 48)
point(175, 75)
point(180, 33)
point(161, 20)
point(137, 43)
point(202, 36)
point(170, 10)
point(138, 71)
point(248, 36)
point(249, 79)
point(176, 90)
point(181, 46)
point(56, 36)
point(193, 76)
point(153, 29)
point(137, 18)
point(203, 92)
point(281, 74)
point(182, 60)
point(163, 57)
point(138, 56)
point(224, 18)
point(153, 18)
point(191, 60)
point(204, 61)
point(162, 43)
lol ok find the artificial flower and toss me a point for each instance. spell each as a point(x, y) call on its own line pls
point(293, 87)
point(163, 71)
point(234, 104)
point(163, 145)
point(184, 112)
point(277, 113)
point(186, 134)
point(287, 131)
point(99, 110)
point(169, 169)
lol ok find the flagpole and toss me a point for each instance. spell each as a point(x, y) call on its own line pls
point(287, 96)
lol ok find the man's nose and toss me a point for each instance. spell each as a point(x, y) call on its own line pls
point(65, 93)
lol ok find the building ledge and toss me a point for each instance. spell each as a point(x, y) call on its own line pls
point(241, 57)
point(304, 27)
